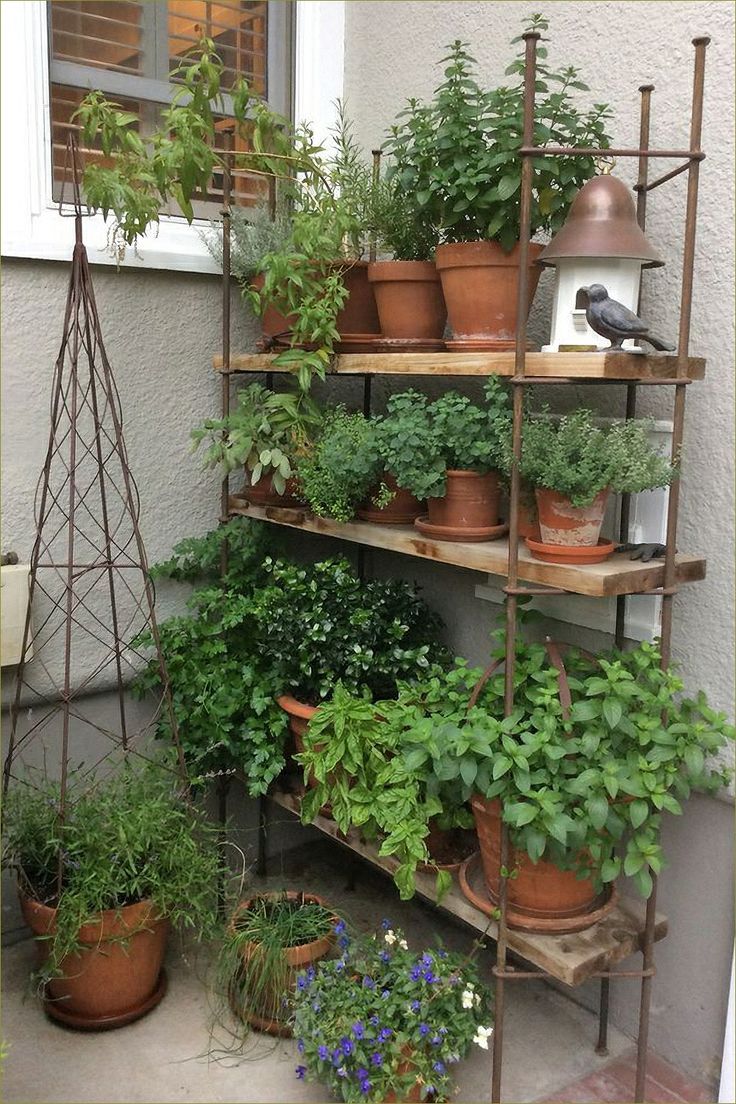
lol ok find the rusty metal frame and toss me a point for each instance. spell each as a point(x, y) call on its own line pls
point(692, 158)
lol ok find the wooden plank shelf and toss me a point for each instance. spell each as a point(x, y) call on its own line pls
point(625, 367)
point(618, 575)
point(570, 958)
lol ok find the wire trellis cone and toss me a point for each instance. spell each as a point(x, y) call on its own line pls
point(89, 591)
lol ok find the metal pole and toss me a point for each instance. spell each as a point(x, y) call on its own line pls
point(527, 169)
point(225, 382)
point(262, 836)
point(376, 177)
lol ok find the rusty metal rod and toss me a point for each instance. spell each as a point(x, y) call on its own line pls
point(644, 188)
point(375, 179)
point(535, 590)
point(642, 1042)
point(225, 387)
point(601, 1046)
point(574, 151)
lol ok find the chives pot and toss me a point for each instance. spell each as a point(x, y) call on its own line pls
point(116, 977)
point(480, 283)
point(411, 307)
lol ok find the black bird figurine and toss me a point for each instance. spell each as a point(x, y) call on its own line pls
point(613, 320)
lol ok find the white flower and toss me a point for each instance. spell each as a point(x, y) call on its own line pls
point(467, 998)
point(403, 945)
point(482, 1035)
point(389, 937)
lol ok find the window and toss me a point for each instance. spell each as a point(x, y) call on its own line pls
point(130, 50)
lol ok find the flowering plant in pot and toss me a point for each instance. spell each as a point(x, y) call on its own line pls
point(458, 154)
point(411, 307)
point(270, 939)
point(597, 748)
point(451, 452)
point(574, 464)
point(264, 434)
point(351, 755)
point(383, 1023)
point(101, 886)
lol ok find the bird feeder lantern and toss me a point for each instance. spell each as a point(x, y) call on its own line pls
point(600, 243)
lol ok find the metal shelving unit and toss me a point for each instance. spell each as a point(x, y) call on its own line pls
point(598, 952)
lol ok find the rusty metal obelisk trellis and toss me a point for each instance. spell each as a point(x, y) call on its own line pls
point(90, 592)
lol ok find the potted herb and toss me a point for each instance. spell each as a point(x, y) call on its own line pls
point(264, 434)
point(458, 154)
point(411, 307)
point(452, 452)
point(101, 886)
point(582, 786)
point(383, 1023)
point(270, 939)
point(574, 464)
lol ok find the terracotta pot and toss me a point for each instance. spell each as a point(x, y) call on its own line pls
point(271, 997)
point(409, 299)
point(300, 715)
point(109, 982)
point(262, 493)
point(540, 891)
point(274, 325)
point(401, 510)
point(561, 523)
point(470, 502)
point(480, 284)
point(448, 847)
point(357, 323)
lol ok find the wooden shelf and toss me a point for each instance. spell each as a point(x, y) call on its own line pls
point(571, 958)
point(618, 575)
point(576, 366)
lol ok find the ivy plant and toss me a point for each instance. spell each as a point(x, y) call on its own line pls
point(419, 440)
point(459, 153)
point(578, 459)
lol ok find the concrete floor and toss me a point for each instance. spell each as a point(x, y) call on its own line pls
point(169, 1055)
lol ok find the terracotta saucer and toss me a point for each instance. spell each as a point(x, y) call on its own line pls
point(570, 554)
point(409, 345)
point(483, 345)
point(57, 1011)
point(358, 343)
point(474, 888)
point(464, 536)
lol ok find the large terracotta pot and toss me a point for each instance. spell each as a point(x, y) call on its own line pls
point(411, 307)
point(481, 284)
point(561, 523)
point(357, 323)
point(117, 975)
point(541, 892)
point(401, 510)
point(263, 493)
point(299, 713)
point(271, 997)
point(468, 510)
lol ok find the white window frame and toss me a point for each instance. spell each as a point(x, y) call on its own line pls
point(30, 224)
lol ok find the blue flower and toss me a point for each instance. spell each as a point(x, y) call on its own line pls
point(415, 973)
point(323, 1052)
point(340, 965)
point(361, 1074)
point(427, 959)
point(384, 1034)
point(343, 942)
point(385, 956)
point(436, 1040)
point(442, 954)
point(336, 1056)
point(385, 994)
point(430, 976)
point(300, 1046)
point(311, 973)
point(386, 924)
point(376, 1058)
point(347, 1046)
point(365, 1086)
point(302, 983)
point(358, 1030)
point(300, 1071)
point(443, 1031)
point(316, 1006)
point(430, 1090)
point(373, 1020)
point(439, 1067)
point(339, 927)
point(368, 983)
point(415, 1005)
point(423, 1029)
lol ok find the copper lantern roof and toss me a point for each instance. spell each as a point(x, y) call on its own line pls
point(602, 223)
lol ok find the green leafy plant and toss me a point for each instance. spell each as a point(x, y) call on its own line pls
point(578, 458)
point(458, 154)
point(125, 838)
point(319, 625)
point(383, 1018)
point(420, 440)
point(338, 470)
point(400, 225)
point(264, 433)
point(246, 541)
point(587, 790)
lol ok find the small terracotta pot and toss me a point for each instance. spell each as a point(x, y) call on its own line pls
point(561, 523)
point(295, 958)
point(481, 284)
point(263, 493)
point(109, 982)
point(470, 502)
point(299, 713)
point(409, 299)
point(401, 510)
point(274, 325)
point(540, 892)
point(448, 847)
point(357, 323)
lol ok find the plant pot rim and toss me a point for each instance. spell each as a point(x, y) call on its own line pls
point(295, 707)
point(481, 251)
point(571, 553)
point(112, 922)
point(300, 952)
point(411, 271)
point(470, 473)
